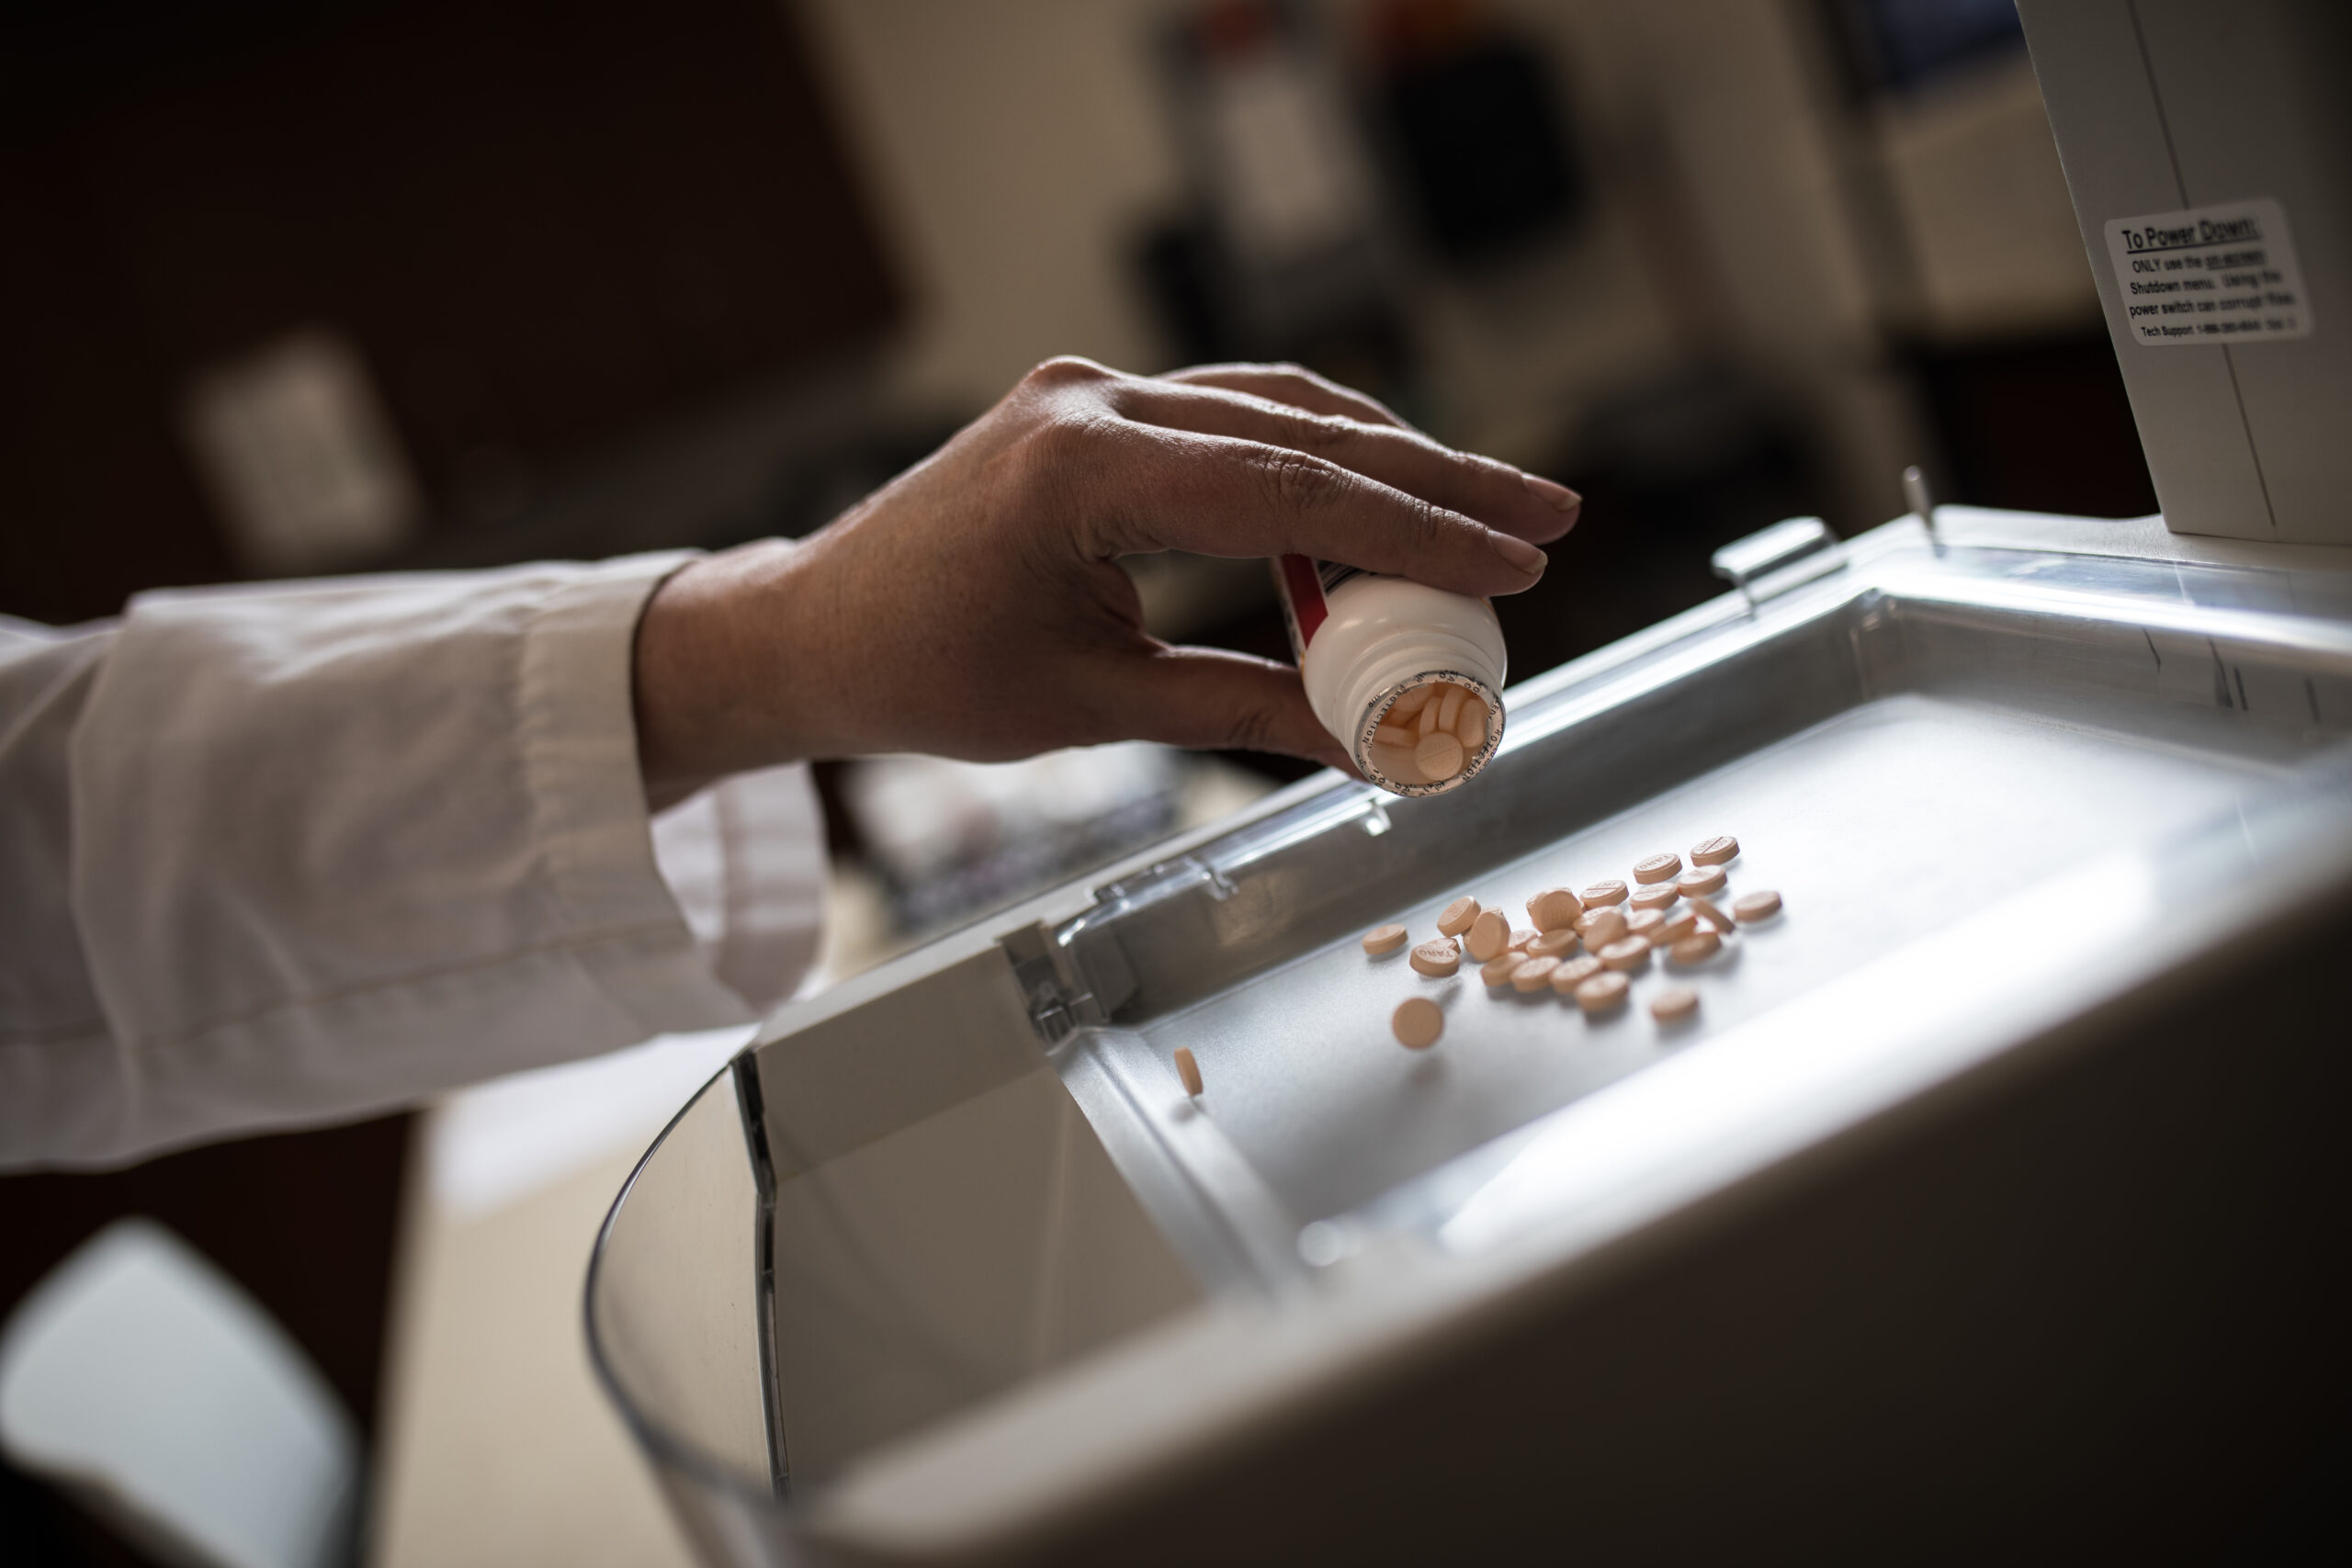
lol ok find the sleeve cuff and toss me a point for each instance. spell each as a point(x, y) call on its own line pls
point(746, 862)
point(579, 748)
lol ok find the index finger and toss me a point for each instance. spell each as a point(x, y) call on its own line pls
point(1495, 494)
point(1221, 495)
point(1291, 385)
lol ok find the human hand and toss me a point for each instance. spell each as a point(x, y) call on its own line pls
point(975, 607)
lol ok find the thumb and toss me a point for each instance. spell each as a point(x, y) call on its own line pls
point(1205, 698)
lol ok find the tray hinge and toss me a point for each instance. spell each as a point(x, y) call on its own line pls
point(1058, 1001)
point(1770, 561)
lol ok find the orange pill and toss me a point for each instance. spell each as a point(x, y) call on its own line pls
point(1701, 879)
point(1554, 907)
point(1601, 926)
point(1751, 908)
point(1533, 974)
point(1554, 945)
point(1457, 915)
point(1602, 993)
point(1657, 896)
point(1677, 924)
point(1436, 959)
point(1490, 934)
point(1696, 948)
point(1417, 1023)
point(1714, 850)
point(1657, 868)
point(1449, 707)
point(1438, 755)
point(1189, 1070)
point(1383, 939)
point(1575, 971)
point(1410, 705)
point(1676, 1004)
point(1397, 763)
point(1706, 910)
point(1498, 970)
point(1604, 892)
point(1645, 924)
point(1630, 956)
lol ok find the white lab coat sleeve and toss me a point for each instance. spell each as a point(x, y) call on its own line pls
point(280, 855)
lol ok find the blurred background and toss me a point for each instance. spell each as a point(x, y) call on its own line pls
point(355, 286)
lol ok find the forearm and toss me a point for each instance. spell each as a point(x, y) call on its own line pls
point(331, 846)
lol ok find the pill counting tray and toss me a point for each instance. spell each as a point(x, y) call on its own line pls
point(1005, 1280)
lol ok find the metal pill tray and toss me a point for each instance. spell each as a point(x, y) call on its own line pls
point(1878, 826)
point(1010, 1271)
point(1899, 746)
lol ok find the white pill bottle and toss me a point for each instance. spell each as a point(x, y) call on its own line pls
point(1368, 646)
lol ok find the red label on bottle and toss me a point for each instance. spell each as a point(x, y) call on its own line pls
point(1303, 603)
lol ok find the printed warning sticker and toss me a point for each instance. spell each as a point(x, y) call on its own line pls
point(2220, 274)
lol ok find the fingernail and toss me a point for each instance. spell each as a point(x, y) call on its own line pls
point(1522, 556)
point(1559, 497)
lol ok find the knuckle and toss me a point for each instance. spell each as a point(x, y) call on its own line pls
point(1461, 480)
point(1066, 370)
point(1312, 432)
point(1297, 482)
point(1431, 527)
point(1487, 471)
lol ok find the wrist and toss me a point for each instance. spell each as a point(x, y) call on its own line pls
point(711, 650)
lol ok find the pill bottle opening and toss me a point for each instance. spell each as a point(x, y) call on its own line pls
point(1396, 744)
